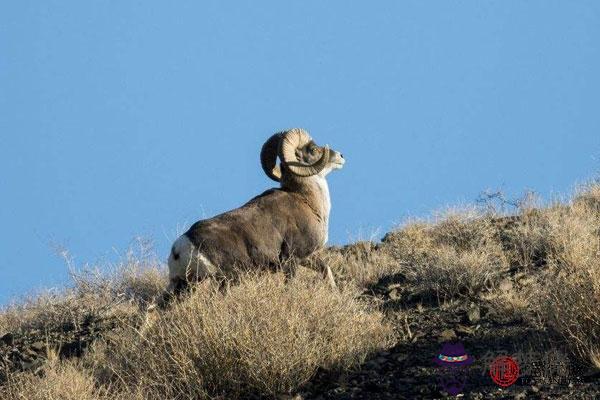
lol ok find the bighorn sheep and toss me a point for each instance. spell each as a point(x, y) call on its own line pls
point(266, 231)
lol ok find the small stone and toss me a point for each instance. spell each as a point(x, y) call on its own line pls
point(417, 336)
point(474, 314)
point(26, 365)
point(401, 357)
point(526, 281)
point(520, 396)
point(464, 329)
point(394, 294)
point(447, 335)
point(38, 346)
point(289, 397)
point(7, 338)
point(31, 354)
point(535, 389)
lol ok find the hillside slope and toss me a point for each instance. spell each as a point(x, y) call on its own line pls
point(524, 284)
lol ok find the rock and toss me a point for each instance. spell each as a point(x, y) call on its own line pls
point(26, 365)
point(520, 396)
point(394, 294)
point(7, 338)
point(289, 397)
point(30, 354)
point(401, 357)
point(535, 389)
point(526, 281)
point(474, 313)
point(447, 335)
point(38, 346)
point(417, 336)
point(464, 329)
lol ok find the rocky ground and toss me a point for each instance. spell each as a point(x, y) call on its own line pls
point(28, 351)
point(405, 371)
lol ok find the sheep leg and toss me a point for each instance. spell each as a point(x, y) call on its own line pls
point(329, 276)
point(323, 266)
point(289, 270)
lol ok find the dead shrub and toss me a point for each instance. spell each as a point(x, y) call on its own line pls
point(570, 304)
point(59, 310)
point(460, 255)
point(570, 298)
point(120, 290)
point(60, 381)
point(511, 305)
point(361, 263)
point(526, 240)
point(262, 336)
point(588, 197)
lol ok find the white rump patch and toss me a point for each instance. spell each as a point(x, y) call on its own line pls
point(186, 262)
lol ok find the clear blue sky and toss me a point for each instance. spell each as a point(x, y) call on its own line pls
point(128, 118)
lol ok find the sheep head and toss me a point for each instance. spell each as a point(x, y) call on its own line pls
point(300, 156)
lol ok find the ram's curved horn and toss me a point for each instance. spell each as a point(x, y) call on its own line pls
point(268, 157)
point(292, 140)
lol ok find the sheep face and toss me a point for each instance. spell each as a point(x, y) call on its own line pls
point(311, 153)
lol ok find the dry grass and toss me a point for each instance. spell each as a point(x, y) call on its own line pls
point(66, 380)
point(119, 290)
point(569, 301)
point(261, 337)
point(357, 265)
point(459, 254)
